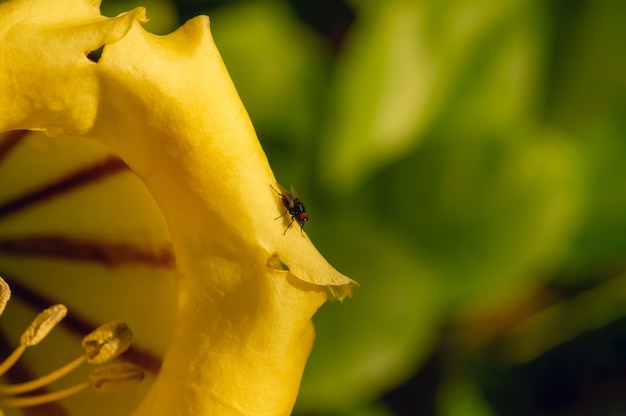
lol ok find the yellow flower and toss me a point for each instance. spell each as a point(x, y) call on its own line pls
point(165, 104)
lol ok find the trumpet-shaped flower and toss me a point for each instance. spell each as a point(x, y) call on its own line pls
point(245, 292)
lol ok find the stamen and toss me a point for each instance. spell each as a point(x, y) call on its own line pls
point(38, 329)
point(107, 342)
point(42, 398)
point(115, 377)
point(11, 359)
point(42, 381)
point(103, 379)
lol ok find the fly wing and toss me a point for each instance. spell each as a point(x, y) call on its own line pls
point(281, 190)
point(294, 193)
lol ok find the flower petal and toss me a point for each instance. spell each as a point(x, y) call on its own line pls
point(46, 75)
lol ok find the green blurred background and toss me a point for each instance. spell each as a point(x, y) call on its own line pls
point(465, 162)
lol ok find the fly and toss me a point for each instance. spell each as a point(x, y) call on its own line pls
point(293, 206)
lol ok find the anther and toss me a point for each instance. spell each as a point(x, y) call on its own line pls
point(42, 325)
point(107, 342)
point(5, 295)
point(115, 376)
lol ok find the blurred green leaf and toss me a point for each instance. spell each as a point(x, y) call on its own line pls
point(162, 13)
point(589, 99)
point(368, 409)
point(381, 91)
point(492, 212)
point(277, 65)
point(376, 339)
point(459, 396)
point(566, 320)
point(406, 62)
point(589, 85)
point(599, 247)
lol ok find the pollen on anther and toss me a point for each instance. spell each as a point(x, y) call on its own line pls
point(107, 342)
point(5, 294)
point(115, 377)
point(43, 324)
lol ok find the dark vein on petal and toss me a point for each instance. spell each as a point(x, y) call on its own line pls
point(79, 249)
point(78, 325)
point(143, 358)
point(76, 179)
point(21, 372)
point(9, 141)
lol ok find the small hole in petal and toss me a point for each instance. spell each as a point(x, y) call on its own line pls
point(95, 55)
point(275, 263)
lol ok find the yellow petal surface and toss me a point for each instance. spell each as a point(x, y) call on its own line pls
point(47, 82)
point(167, 107)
